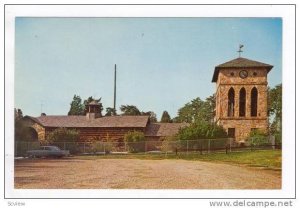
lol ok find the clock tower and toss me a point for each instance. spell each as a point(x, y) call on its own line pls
point(241, 97)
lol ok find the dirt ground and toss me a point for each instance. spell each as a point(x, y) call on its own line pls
point(78, 173)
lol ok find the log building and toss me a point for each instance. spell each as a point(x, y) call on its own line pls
point(93, 126)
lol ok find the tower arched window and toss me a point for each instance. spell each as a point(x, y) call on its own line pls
point(230, 112)
point(254, 99)
point(242, 104)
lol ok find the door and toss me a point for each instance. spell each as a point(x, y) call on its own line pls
point(231, 132)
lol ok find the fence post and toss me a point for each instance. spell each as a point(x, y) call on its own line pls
point(208, 149)
point(201, 148)
point(187, 146)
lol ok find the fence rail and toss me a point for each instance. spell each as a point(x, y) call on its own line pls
point(202, 146)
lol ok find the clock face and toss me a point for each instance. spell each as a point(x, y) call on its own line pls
point(243, 74)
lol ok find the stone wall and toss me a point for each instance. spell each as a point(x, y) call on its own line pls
point(37, 127)
point(243, 127)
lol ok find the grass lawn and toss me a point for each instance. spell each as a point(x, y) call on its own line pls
point(270, 159)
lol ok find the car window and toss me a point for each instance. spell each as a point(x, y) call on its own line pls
point(55, 148)
point(42, 148)
point(47, 148)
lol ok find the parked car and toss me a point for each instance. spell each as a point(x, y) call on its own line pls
point(48, 151)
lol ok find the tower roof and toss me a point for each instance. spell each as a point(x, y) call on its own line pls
point(239, 63)
point(93, 102)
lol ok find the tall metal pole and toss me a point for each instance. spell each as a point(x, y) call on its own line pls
point(115, 80)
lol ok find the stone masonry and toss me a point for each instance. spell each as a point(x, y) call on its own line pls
point(227, 76)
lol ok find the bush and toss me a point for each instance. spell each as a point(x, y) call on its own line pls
point(135, 141)
point(170, 144)
point(257, 138)
point(201, 130)
point(64, 137)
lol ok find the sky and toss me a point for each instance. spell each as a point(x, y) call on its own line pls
point(162, 63)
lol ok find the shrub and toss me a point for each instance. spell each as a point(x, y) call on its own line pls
point(201, 130)
point(135, 141)
point(64, 138)
point(257, 138)
point(170, 144)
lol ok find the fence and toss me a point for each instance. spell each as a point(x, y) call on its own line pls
point(203, 146)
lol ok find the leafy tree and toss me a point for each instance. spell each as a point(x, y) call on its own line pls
point(22, 132)
point(130, 110)
point(151, 114)
point(77, 108)
point(110, 112)
point(18, 114)
point(64, 137)
point(201, 130)
point(197, 110)
point(275, 111)
point(165, 118)
point(135, 141)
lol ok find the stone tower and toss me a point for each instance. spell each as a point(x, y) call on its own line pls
point(241, 97)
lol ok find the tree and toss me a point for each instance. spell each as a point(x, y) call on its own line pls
point(110, 112)
point(64, 137)
point(165, 118)
point(135, 141)
point(77, 108)
point(130, 110)
point(275, 111)
point(18, 114)
point(201, 130)
point(151, 114)
point(197, 110)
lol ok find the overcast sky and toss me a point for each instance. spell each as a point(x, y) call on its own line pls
point(162, 63)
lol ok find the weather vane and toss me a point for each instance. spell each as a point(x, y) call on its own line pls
point(240, 49)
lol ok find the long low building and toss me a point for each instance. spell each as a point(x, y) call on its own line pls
point(93, 126)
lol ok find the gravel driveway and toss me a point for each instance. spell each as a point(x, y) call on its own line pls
point(76, 173)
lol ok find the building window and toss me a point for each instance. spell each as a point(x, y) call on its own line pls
point(230, 112)
point(254, 102)
point(242, 109)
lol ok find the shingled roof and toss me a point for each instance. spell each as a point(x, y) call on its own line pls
point(164, 129)
point(82, 121)
point(240, 63)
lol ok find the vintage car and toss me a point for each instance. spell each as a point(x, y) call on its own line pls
point(48, 151)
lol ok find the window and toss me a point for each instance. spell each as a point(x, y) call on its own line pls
point(242, 109)
point(254, 102)
point(230, 112)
